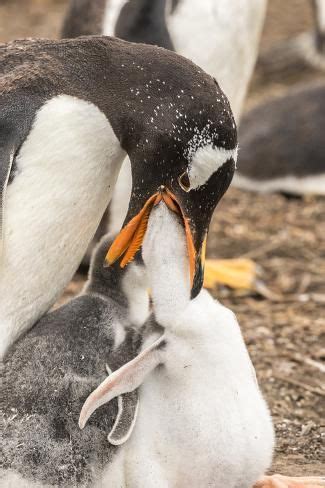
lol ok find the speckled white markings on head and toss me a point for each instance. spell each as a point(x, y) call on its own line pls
point(67, 168)
point(206, 161)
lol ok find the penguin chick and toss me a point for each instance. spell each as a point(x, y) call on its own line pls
point(202, 419)
point(49, 372)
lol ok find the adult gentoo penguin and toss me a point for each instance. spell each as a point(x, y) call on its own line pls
point(48, 373)
point(202, 420)
point(287, 135)
point(70, 111)
point(220, 36)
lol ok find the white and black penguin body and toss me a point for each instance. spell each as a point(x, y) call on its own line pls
point(49, 372)
point(283, 145)
point(202, 420)
point(222, 37)
point(70, 111)
point(62, 178)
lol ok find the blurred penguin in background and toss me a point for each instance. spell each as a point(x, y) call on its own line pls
point(283, 144)
point(282, 140)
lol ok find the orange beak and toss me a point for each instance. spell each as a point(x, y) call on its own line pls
point(130, 239)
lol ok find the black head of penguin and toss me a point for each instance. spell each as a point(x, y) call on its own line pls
point(190, 122)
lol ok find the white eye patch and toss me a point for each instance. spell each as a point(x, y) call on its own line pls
point(206, 161)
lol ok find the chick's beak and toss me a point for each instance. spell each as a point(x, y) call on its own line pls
point(130, 239)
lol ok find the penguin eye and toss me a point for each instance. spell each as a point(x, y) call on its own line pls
point(184, 181)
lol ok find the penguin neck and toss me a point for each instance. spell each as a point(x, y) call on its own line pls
point(53, 207)
point(166, 259)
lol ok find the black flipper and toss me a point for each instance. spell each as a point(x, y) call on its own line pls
point(17, 113)
point(7, 154)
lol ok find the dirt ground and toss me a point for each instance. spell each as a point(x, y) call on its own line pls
point(286, 237)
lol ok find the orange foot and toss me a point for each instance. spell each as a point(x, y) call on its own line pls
point(279, 481)
point(236, 273)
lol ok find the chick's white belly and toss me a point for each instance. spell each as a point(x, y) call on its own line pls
point(66, 170)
